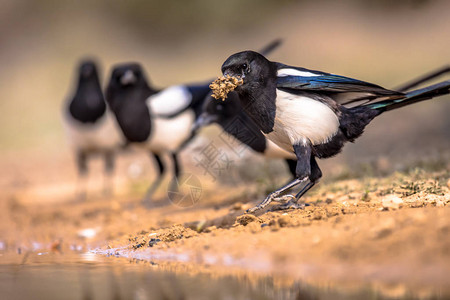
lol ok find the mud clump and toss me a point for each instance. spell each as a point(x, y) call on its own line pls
point(284, 221)
point(223, 85)
point(176, 232)
point(246, 219)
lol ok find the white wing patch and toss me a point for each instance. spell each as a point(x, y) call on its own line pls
point(169, 134)
point(294, 72)
point(300, 119)
point(170, 101)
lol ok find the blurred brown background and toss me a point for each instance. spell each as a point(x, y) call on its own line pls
point(385, 42)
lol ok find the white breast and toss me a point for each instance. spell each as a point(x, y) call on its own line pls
point(300, 119)
point(104, 134)
point(170, 100)
point(168, 134)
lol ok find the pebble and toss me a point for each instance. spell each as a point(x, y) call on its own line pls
point(391, 202)
point(87, 233)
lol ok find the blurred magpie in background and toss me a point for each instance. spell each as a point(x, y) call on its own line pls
point(90, 127)
point(311, 113)
point(159, 120)
point(230, 116)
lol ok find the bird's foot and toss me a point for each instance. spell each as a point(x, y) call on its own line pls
point(285, 198)
point(271, 197)
point(291, 204)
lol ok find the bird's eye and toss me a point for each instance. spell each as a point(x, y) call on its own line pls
point(244, 66)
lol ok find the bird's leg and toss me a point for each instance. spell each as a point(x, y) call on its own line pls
point(157, 182)
point(316, 173)
point(176, 173)
point(81, 188)
point(292, 164)
point(109, 170)
point(302, 173)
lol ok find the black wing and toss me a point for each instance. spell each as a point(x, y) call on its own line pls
point(343, 90)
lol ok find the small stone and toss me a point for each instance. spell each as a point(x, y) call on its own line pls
point(391, 202)
point(210, 229)
point(440, 203)
point(237, 206)
point(274, 226)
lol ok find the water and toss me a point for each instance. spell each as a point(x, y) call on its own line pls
point(87, 276)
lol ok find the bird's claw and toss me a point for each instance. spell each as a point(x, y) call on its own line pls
point(269, 199)
point(291, 204)
point(285, 198)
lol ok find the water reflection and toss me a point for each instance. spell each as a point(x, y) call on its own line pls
point(47, 275)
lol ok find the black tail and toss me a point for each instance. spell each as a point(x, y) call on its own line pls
point(270, 47)
point(412, 97)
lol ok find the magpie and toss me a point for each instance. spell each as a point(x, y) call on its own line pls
point(311, 113)
point(89, 125)
point(233, 120)
point(236, 123)
point(160, 121)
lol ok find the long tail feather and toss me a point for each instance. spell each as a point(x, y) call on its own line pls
point(415, 96)
point(270, 47)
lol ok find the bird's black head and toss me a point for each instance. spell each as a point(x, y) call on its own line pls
point(87, 105)
point(257, 93)
point(223, 109)
point(128, 83)
point(128, 75)
point(251, 66)
point(88, 70)
point(218, 111)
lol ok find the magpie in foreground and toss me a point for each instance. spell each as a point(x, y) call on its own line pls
point(160, 121)
point(235, 122)
point(89, 125)
point(310, 113)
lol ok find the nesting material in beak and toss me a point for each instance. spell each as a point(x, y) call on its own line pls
point(223, 85)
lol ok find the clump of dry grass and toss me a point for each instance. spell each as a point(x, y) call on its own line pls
point(223, 85)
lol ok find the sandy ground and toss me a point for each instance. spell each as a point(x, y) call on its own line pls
point(392, 229)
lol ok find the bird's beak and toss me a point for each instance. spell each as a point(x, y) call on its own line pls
point(228, 72)
point(203, 120)
point(128, 78)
